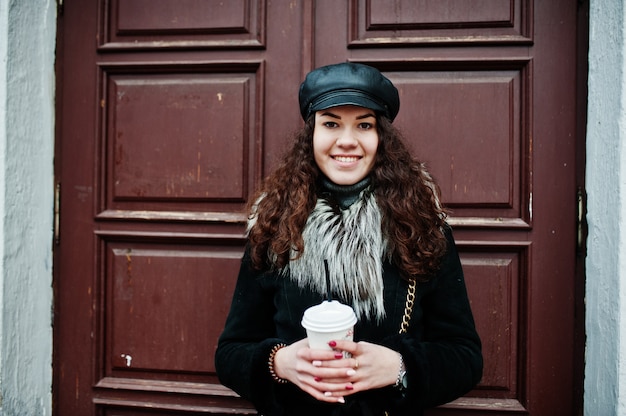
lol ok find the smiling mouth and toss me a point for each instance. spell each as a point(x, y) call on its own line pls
point(346, 159)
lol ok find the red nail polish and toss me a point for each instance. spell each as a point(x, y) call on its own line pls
point(338, 355)
point(349, 387)
point(317, 378)
point(332, 344)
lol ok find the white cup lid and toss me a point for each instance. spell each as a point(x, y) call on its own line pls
point(329, 316)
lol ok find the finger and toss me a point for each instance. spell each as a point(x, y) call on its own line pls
point(349, 348)
point(334, 376)
point(309, 354)
point(338, 361)
point(332, 399)
point(336, 389)
point(341, 383)
point(332, 370)
point(327, 397)
point(330, 394)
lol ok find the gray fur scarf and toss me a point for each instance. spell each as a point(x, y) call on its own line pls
point(351, 241)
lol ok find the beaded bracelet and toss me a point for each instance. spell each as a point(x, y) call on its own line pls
point(270, 364)
point(400, 381)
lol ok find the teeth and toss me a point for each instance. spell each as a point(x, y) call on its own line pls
point(346, 159)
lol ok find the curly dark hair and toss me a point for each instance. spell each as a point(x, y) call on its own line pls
point(413, 218)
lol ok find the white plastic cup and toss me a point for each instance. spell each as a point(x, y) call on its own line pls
point(328, 321)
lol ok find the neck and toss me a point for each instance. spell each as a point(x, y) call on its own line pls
point(345, 195)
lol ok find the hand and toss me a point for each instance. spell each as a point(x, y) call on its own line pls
point(328, 376)
point(306, 367)
point(375, 366)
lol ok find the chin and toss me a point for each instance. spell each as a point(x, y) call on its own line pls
point(345, 181)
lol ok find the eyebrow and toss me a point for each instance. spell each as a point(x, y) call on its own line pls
point(333, 115)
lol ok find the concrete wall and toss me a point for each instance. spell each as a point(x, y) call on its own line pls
point(27, 45)
point(605, 372)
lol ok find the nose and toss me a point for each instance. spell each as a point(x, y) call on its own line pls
point(346, 138)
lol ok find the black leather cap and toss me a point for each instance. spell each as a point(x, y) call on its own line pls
point(348, 84)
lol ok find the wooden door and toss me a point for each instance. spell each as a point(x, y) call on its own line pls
point(170, 111)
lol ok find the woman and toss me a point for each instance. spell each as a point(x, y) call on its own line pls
point(349, 193)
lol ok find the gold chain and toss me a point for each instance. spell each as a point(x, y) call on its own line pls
point(408, 307)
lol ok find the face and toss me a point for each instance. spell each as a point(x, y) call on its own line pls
point(345, 141)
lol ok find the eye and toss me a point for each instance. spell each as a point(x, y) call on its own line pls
point(330, 124)
point(366, 126)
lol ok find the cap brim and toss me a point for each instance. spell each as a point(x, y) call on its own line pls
point(341, 97)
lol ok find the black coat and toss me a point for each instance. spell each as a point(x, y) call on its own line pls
point(441, 350)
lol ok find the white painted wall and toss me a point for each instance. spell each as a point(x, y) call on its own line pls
point(27, 45)
point(4, 29)
point(605, 372)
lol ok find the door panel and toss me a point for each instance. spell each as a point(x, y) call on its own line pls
point(169, 138)
point(463, 120)
point(439, 22)
point(182, 24)
point(169, 114)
